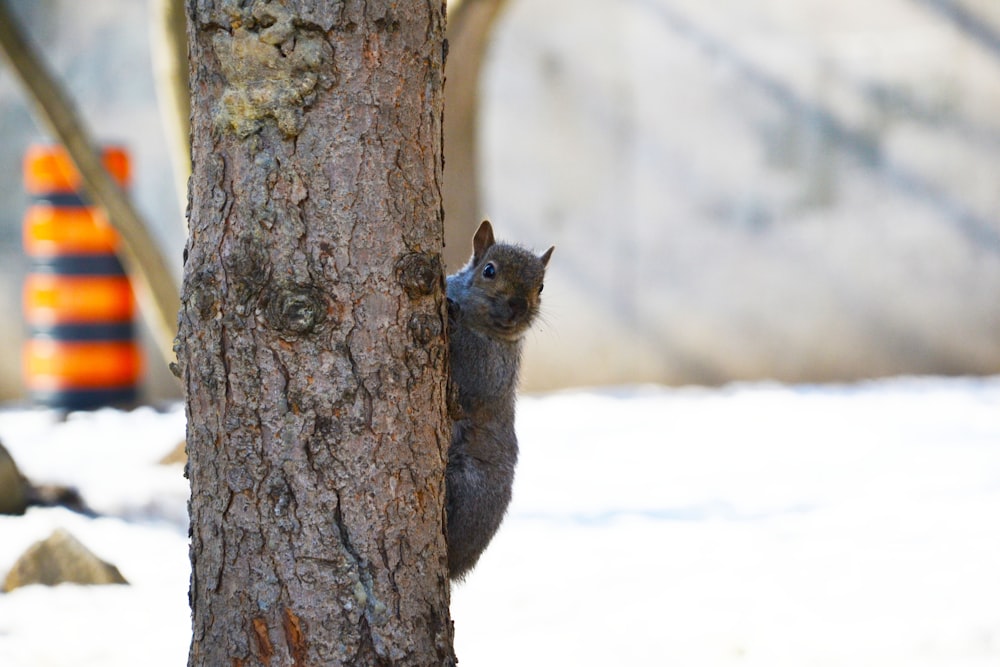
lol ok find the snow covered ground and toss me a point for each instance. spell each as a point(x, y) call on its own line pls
point(756, 524)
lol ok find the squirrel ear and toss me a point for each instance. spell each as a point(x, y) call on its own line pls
point(546, 256)
point(482, 241)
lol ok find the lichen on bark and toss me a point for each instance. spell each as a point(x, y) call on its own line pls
point(273, 64)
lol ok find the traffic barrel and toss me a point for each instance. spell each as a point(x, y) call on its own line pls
point(81, 352)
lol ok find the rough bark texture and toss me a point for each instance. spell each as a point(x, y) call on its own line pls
point(312, 334)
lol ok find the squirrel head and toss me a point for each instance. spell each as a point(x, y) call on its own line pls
point(504, 286)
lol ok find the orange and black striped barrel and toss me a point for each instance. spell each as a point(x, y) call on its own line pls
point(78, 304)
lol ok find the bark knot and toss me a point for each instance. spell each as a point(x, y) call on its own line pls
point(425, 327)
point(419, 273)
point(296, 310)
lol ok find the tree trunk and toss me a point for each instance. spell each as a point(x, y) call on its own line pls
point(312, 334)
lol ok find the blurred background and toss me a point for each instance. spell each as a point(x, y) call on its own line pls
point(101, 53)
point(799, 190)
point(802, 190)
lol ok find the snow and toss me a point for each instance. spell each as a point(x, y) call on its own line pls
point(111, 457)
point(754, 524)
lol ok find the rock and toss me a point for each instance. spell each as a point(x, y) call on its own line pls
point(14, 488)
point(176, 455)
point(60, 558)
point(56, 495)
point(17, 493)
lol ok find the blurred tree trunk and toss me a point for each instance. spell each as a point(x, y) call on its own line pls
point(312, 334)
point(168, 52)
point(470, 24)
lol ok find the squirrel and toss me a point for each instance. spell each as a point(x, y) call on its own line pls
point(492, 302)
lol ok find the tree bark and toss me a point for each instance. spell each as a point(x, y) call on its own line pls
point(312, 334)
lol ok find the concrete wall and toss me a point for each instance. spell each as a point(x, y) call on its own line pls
point(801, 189)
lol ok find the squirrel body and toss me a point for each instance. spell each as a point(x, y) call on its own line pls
point(492, 302)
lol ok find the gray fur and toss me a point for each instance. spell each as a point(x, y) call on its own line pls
point(487, 317)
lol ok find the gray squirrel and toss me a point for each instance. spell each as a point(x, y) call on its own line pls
point(492, 302)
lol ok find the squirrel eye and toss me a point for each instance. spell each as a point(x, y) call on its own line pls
point(541, 287)
point(489, 271)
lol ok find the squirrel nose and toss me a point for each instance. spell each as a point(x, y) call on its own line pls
point(518, 306)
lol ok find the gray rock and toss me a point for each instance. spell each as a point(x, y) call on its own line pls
point(14, 488)
point(60, 558)
point(176, 455)
point(17, 493)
